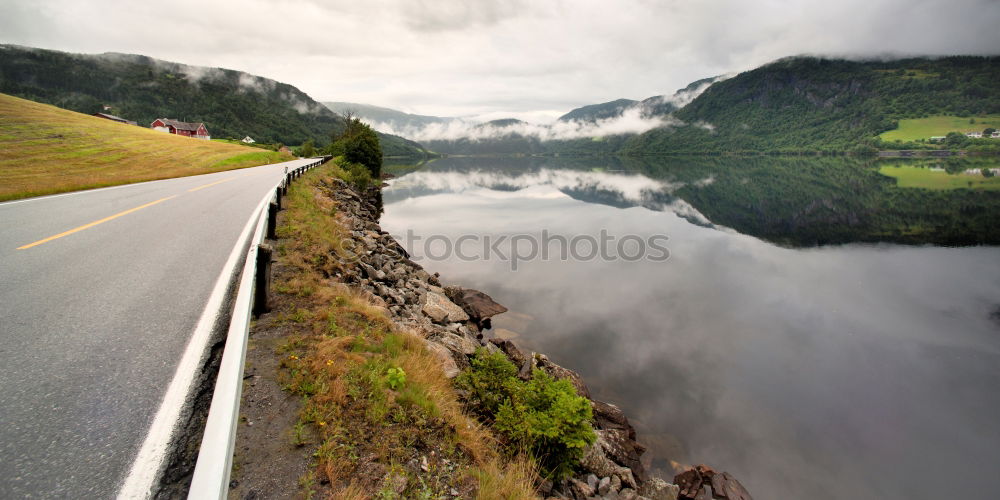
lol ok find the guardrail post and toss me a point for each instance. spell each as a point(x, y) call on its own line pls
point(272, 220)
point(277, 197)
point(262, 280)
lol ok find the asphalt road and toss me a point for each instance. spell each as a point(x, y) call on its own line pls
point(93, 323)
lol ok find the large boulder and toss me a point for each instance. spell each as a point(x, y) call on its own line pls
point(622, 450)
point(596, 461)
point(457, 343)
point(558, 372)
point(444, 356)
point(479, 306)
point(441, 310)
point(704, 482)
point(609, 416)
point(511, 351)
point(658, 489)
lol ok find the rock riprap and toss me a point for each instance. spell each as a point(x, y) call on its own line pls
point(452, 319)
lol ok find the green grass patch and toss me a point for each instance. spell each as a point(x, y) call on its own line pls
point(48, 150)
point(250, 159)
point(373, 397)
point(924, 128)
point(927, 178)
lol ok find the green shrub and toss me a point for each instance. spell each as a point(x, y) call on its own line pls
point(395, 377)
point(356, 175)
point(488, 382)
point(544, 416)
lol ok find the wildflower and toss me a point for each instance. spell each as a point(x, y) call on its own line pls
point(321, 423)
point(329, 362)
point(293, 357)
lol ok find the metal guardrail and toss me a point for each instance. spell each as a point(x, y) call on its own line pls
point(215, 458)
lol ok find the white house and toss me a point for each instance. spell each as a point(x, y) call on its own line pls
point(974, 135)
point(995, 134)
point(249, 140)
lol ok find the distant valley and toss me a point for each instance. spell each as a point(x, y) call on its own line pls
point(793, 105)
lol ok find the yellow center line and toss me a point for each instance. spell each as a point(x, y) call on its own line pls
point(210, 184)
point(225, 180)
point(96, 222)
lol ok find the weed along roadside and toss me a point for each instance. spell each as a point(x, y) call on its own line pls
point(368, 378)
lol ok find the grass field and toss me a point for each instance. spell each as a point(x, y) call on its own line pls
point(46, 150)
point(925, 128)
point(920, 177)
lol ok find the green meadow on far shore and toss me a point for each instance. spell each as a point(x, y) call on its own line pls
point(924, 128)
point(927, 178)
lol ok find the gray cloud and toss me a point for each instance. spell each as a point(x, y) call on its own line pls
point(457, 58)
point(448, 15)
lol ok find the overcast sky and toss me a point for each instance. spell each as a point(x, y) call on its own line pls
point(498, 58)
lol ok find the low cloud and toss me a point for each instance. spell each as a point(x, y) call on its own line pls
point(684, 96)
point(631, 122)
point(635, 119)
point(633, 188)
point(455, 58)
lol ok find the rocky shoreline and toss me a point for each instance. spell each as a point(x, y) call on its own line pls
point(452, 321)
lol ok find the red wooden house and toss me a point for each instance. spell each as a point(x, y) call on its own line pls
point(196, 130)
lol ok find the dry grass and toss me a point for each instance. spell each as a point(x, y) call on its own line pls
point(46, 150)
point(509, 483)
point(370, 430)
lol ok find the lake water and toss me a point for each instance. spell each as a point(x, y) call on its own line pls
point(865, 371)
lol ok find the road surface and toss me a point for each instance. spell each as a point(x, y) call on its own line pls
point(95, 317)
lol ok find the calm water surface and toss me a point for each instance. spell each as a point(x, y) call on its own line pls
point(852, 371)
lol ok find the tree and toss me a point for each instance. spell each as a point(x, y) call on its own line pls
point(309, 149)
point(359, 143)
point(955, 139)
point(988, 131)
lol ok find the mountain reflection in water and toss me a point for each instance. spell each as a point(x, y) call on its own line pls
point(860, 370)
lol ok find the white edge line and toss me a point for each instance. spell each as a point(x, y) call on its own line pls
point(60, 195)
point(215, 457)
point(149, 461)
point(211, 473)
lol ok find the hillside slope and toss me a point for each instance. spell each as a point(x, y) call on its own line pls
point(45, 150)
point(230, 103)
point(815, 104)
point(377, 114)
point(602, 111)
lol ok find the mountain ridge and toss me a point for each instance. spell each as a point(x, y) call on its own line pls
point(141, 88)
point(807, 103)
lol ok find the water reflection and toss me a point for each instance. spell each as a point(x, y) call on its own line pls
point(792, 201)
point(831, 372)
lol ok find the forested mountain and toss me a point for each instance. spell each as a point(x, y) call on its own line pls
point(658, 105)
point(230, 103)
point(816, 104)
point(376, 114)
point(512, 136)
point(603, 111)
